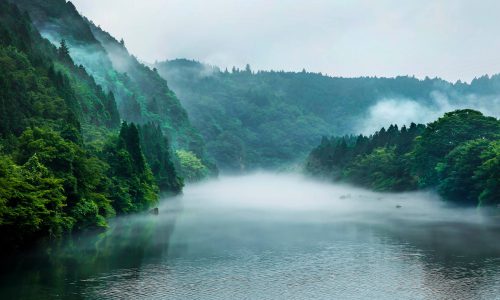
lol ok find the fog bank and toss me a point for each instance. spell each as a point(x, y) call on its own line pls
point(404, 111)
point(282, 195)
point(283, 236)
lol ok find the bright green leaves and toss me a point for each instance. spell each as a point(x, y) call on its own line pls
point(51, 181)
point(192, 168)
point(31, 201)
point(55, 185)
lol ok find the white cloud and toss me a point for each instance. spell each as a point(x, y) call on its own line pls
point(403, 111)
point(454, 39)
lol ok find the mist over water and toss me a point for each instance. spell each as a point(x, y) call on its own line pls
point(280, 236)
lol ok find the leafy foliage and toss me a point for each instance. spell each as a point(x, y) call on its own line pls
point(443, 135)
point(191, 166)
point(63, 164)
point(458, 154)
point(133, 185)
point(141, 95)
point(269, 119)
point(157, 151)
point(31, 202)
point(381, 170)
point(469, 173)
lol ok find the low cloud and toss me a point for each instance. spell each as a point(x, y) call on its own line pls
point(404, 111)
point(453, 39)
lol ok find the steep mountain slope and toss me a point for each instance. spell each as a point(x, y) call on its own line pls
point(141, 94)
point(27, 53)
point(64, 162)
point(270, 119)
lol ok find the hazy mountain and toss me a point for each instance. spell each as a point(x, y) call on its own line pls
point(271, 119)
point(66, 164)
point(141, 94)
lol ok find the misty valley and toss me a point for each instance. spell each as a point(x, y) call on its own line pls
point(269, 235)
point(127, 179)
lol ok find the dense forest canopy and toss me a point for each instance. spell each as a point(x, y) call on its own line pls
point(67, 162)
point(271, 119)
point(458, 154)
point(87, 132)
point(141, 95)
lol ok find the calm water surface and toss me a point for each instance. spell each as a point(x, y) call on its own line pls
point(267, 236)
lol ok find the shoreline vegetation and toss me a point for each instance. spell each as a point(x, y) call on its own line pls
point(85, 138)
point(68, 159)
point(458, 155)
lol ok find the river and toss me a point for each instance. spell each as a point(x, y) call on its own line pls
point(269, 236)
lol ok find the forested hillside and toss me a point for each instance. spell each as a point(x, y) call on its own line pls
point(66, 160)
point(459, 155)
point(141, 95)
point(88, 132)
point(270, 119)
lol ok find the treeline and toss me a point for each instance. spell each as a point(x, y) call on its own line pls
point(277, 116)
point(141, 95)
point(459, 155)
point(66, 163)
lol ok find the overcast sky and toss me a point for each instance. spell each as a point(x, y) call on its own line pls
point(452, 39)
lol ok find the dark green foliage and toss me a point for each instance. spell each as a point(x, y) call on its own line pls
point(144, 97)
point(248, 120)
point(33, 70)
point(110, 106)
point(470, 172)
point(276, 116)
point(58, 154)
point(141, 95)
point(443, 135)
point(487, 175)
point(269, 119)
point(458, 154)
point(133, 184)
point(348, 156)
point(62, 13)
point(31, 202)
point(381, 170)
point(158, 154)
point(51, 180)
point(63, 51)
point(26, 97)
point(129, 141)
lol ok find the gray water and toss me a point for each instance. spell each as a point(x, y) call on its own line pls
point(266, 236)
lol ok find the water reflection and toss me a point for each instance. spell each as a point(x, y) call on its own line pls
point(457, 260)
point(66, 269)
point(277, 237)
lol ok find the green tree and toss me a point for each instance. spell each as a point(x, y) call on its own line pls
point(456, 173)
point(31, 202)
point(442, 136)
point(192, 168)
point(469, 174)
point(157, 151)
point(381, 170)
point(64, 51)
point(133, 185)
point(487, 175)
